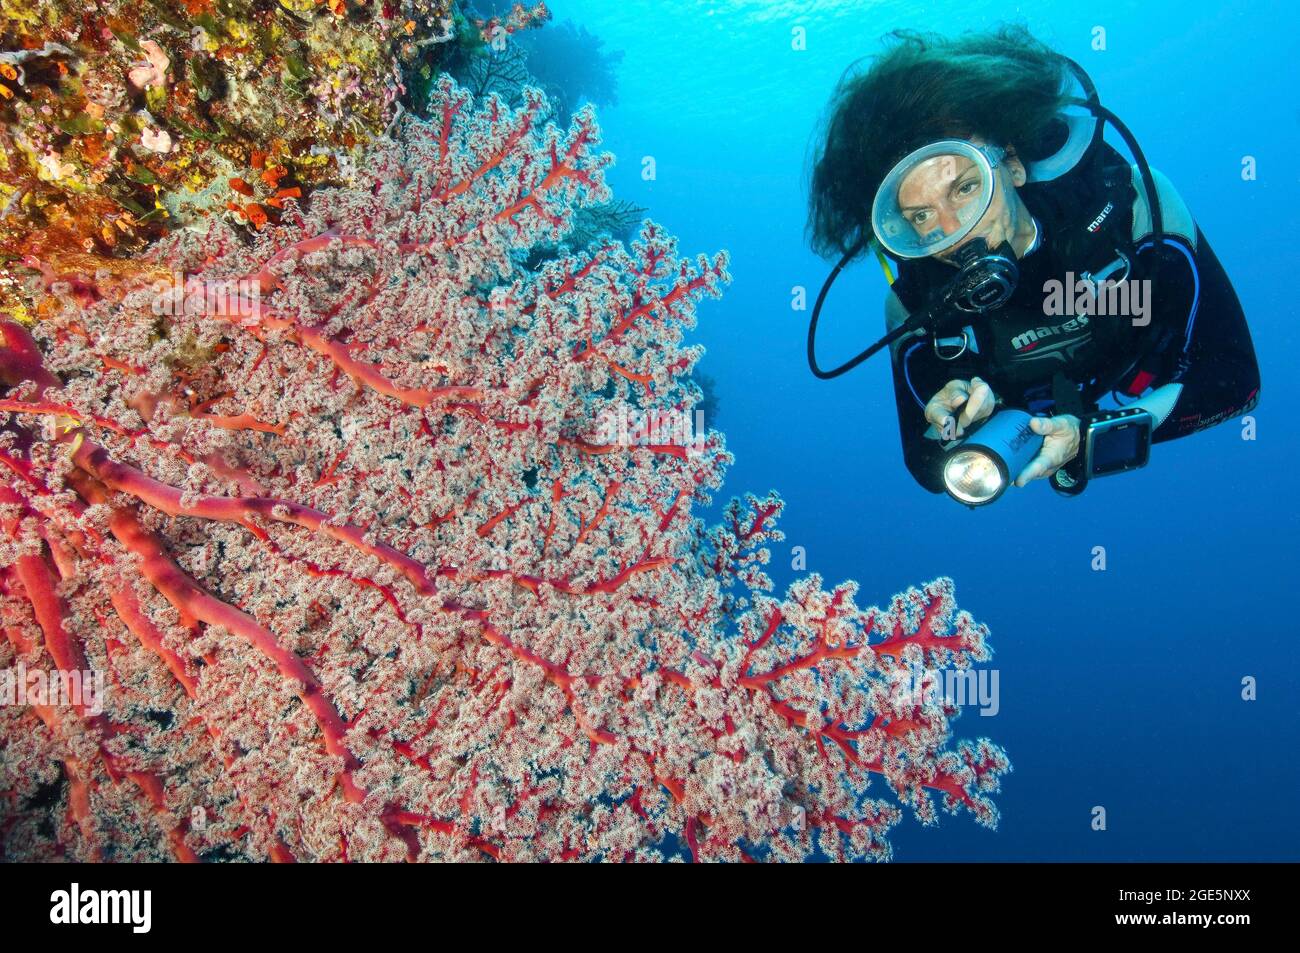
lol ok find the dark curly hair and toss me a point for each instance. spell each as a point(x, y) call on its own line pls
point(1005, 87)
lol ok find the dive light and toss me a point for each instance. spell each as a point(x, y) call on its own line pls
point(980, 468)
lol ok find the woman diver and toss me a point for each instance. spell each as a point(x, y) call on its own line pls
point(979, 176)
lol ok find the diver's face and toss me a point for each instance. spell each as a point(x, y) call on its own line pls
point(933, 195)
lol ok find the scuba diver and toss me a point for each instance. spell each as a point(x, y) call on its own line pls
point(1011, 234)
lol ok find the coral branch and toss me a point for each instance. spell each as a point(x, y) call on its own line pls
point(366, 582)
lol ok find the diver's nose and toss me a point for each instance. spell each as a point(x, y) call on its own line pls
point(948, 220)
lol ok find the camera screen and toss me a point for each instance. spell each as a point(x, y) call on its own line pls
point(1122, 447)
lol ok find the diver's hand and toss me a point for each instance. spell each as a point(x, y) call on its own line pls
point(974, 397)
point(1060, 446)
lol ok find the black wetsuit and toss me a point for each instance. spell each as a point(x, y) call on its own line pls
point(1046, 363)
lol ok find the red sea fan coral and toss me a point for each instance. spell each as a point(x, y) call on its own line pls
point(365, 582)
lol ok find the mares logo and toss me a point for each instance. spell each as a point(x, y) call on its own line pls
point(1101, 217)
point(1030, 338)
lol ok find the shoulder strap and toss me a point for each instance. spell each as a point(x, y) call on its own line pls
point(1176, 216)
point(1177, 221)
point(1129, 226)
point(1095, 220)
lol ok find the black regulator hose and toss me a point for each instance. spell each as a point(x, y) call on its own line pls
point(816, 312)
point(984, 281)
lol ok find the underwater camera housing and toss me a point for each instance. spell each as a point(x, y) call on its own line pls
point(978, 470)
point(1113, 441)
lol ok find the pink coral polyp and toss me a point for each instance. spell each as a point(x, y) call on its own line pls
point(153, 71)
point(365, 583)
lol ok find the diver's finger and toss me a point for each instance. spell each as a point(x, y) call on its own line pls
point(955, 391)
point(938, 410)
point(1048, 425)
point(943, 404)
point(980, 404)
point(936, 414)
point(950, 402)
point(1036, 468)
point(970, 413)
point(1053, 456)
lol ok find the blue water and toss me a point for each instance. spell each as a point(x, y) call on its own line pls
point(1120, 688)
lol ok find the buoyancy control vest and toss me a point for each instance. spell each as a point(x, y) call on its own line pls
point(1085, 222)
point(1082, 194)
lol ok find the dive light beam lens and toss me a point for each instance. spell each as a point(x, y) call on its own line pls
point(973, 477)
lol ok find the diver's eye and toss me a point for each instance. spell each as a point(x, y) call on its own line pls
point(968, 188)
point(921, 217)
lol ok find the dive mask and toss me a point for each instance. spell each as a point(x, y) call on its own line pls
point(967, 173)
